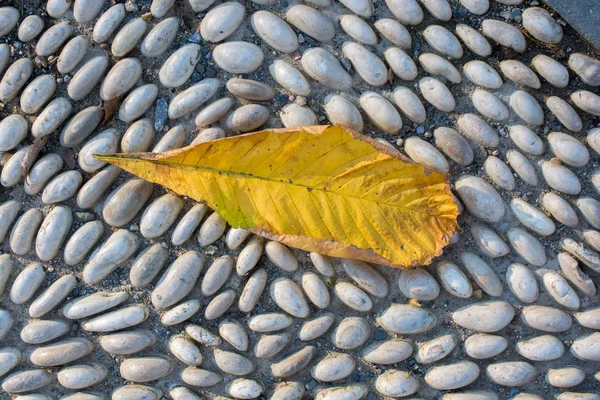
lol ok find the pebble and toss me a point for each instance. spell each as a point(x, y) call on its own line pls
point(558, 288)
point(117, 249)
point(53, 232)
point(188, 224)
point(269, 322)
point(160, 215)
point(119, 319)
point(381, 112)
point(245, 389)
point(9, 359)
point(180, 313)
point(583, 99)
point(418, 284)
point(281, 256)
point(527, 246)
point(92, 304)
point(13, 129)
point(358, 29)
point(482, 74)
point(53, 38)
point(435, 349)
point(293, 363)
point(179, 67)
point(86, 10)
point(453, 145)
point(316, 327)
point(591, 237)
point(274, 31)
point(233, 363)
point(252, 290)
point(57, 8)
point(217, 275)
point(541, 348)
point(437, 94)
point(333, 367)
point(238, 57)
point(9, 18)
point(363, 8)
point(271, 345)
point(288, 296)
point(480, 198)
point(292, 79)
point(477, 7)
point(87, 77)
point(474, 40)
point(443, 41)
point(395, 32)
point(352, 332)
point(565, 114)
point(8, 213)
point(288, 391)
point(406, 319)
point(60, 353)
point(105, 142)
point(81, 126)
point(526, 107)
point(123, 204)
point(185, 350)
point(481, 346)
point(589, 258)
point(4, 57)
point(560, 178)
point(526, 140)
point(160, 38)
point(221, 21)
point(401, 64)
point(178, 280)
point(51, 117)
point(108, 23)
point(122, 77)
point(247, 118)
point(587, 347)
point(208, 134)
point(573, 273)
point(138, 137)
point(531, 217)
point(353, 297)
point(26, 381)
point(37, 94)
point(454, 280)
point(499, 173)
point(203, 336)
point(15, 78)
point(540, 24)
point(200, 377)
point(568, 149)
point(519, 73)
point(408, 12)
point(138, 102)
point(7, 323)
point(349, 392)
point(81, 376)
point(234, 333)
point(183, 393)
point(246, 88)
point(437, 65)
point(160, 8)
point(91, 191)
point(504, 34)
point(136, 392)
point(370, 68)
point(52, 296)
point(388, 352)
point(585, 67)
point(452, 376)
point(72, 54)
point(410, 104)
point(489, 105)
point(325, 68)
point(482, 273)
point(546, 319)
point(511, 373)
point(294, 116)
point(173, 139)
point(145, 369)
point(486, 317)
point(551, 70)
point(522, 283)
point(316, 290)
point(24, 230)
point(565, 377)
point(488, 241)
point(366, 277)
point(311, 22)
point(590, 209)
point(220, 304)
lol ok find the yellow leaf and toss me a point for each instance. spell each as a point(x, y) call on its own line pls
point(319, 188)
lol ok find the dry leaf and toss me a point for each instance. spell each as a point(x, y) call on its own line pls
point(32, 154)
point(319, 188)
point(109, 107)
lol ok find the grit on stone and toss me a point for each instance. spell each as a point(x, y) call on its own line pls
point(114, 288)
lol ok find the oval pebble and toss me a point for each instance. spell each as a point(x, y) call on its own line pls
point(437, 94)
point(274, 31)
point(121, 78)
point(333, 367)
point(481, 346)
point(474, 40)
point(87, 77)
point(107, 24)
point(452, 376)
point(127, 342)
point(540, 24)
point(480, 198)
point(546, 319)
point(443, 41)
point(405, 319)
point(221, 21)
point(504, 34)
point(238, 57)
point(522, 283)
point(435, 349)
point(178, 280)
point(486, 317)
point(160, 38)
point(511, 373)
point(311, 22)
point(454, 280)
point(145, 369)
point(325, 68)
point(541, 348)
